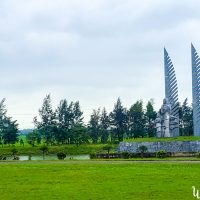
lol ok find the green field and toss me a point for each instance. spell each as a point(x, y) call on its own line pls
point(98, 180)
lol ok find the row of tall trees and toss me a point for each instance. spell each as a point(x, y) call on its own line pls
point(65, 123)
point(122, 122)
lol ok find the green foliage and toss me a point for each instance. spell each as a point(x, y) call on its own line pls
point(137, 120)
point(33, 138)
point(2, 157)
point(92, 155)
point(125, 155)
point(44, 150)
point(143, 149)
point(47, 126)
point(150, 115)
point(56, 126)
point(61, 155)
point(99, 126)
point(104, 126)
point(161, 154)
point(8, 127)
point(14, 151)
point(119, 121)
point(79, 135)
point(108, 148)
point(186, 119)
point(94, 126)
point(21, 141)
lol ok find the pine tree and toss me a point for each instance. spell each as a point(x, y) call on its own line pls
point(65, 120)
point(77, 114)
point(186, 119)
point(47, 127)
point(119, 121)
point(8, 127)
point(104, 126)
point(137, 120)
point(150, 118)
point(94, 126)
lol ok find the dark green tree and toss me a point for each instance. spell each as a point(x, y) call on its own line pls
point(94, 126)
point(186, 119)
point(77, 114)
point(142, 149)
point(8, 127)
point(44, 150)
point(79, 134)
point(21, 141)
point(108, 148)
point(65, 118)
point(137, 120)
point(47, 127)
point(10, 131)
point(3, 112)
point(150, 115)
point(33, 138)
point(104, 126)
point(119, 121)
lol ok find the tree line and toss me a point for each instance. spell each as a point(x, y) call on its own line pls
point(65, 125)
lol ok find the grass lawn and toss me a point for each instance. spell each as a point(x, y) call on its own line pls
point(98, 180)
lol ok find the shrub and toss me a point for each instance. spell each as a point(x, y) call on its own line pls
point(16, 158)
point(93, 155)
point(44, 150)
point(125, 155)
point(198, 155)
point(108, 148)
point(14, 151)
point(142, 149)
point(61, 155)
point(161, 154)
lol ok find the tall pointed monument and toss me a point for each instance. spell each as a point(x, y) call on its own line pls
point(167, 121)
point(195, 90)
point(171, 89)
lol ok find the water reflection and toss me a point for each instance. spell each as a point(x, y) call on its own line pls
point(50, 157)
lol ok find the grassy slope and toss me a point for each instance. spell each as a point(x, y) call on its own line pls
point(82, 149)
point(180, 138)
point(98, 180)
point(68, 149)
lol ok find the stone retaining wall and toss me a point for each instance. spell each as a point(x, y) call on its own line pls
point(171, 146)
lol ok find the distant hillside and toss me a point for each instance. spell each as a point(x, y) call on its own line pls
point(25, 131)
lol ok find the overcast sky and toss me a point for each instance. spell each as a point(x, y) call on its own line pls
point(93, 51)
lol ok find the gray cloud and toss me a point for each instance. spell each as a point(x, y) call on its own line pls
point(92, 51)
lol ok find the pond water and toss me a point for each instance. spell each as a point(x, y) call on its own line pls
point(50, 157)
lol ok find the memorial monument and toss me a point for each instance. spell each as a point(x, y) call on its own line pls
point(167, 121)
point(196, 90)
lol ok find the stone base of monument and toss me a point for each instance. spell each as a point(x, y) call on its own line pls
point(168, 146)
